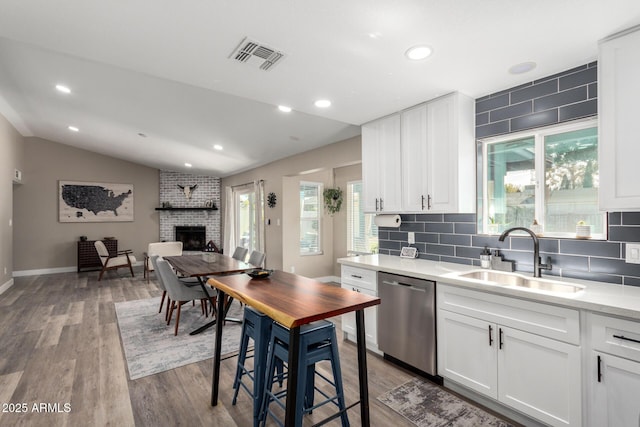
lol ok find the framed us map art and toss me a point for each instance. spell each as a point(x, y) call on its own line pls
point(95, 202)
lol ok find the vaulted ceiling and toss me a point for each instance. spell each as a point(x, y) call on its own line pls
point(155, 82)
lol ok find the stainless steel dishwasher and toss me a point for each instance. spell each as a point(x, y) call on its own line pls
point(407, 320)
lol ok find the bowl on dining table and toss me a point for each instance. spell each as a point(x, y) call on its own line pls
point(259, 273)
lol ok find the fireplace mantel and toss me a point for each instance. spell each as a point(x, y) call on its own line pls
point(187, 209)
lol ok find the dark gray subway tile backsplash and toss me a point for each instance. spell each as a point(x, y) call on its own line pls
point(561, 97)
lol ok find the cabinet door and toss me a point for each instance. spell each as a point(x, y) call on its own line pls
point(619, 127)
point(540, 377)
point(370, 170)
point(370, 319)
point(467, 352)
point(389, 167)
point(414, 159)
point(616, 392)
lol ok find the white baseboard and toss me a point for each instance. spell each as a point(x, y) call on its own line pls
point(55, 270)
point(40, 271)
point(6, 286)
point(327, 279)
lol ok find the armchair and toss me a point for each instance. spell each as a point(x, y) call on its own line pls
point(113, 262)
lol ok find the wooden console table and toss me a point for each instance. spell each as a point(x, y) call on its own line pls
point(88, 257)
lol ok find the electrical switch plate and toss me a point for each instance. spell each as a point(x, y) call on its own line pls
point(632, 253)
point(411, 236)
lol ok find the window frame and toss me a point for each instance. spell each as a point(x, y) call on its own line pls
point(350, 227)
point(319, 186)
point(538, 134)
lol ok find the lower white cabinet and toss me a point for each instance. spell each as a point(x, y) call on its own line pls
point(485, 352)
point(364, 281)
point(614, 371)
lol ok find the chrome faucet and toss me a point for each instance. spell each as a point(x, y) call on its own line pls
point(538, 266)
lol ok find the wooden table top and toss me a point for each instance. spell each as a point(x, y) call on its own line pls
point(196, 265)
point(290, 299)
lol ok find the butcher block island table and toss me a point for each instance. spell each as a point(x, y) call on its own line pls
point(292, 301)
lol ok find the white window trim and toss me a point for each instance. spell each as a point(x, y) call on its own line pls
point(538, 134)
point(320, 187)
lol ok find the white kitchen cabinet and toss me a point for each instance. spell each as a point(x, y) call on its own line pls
point(381, 165)
point(422, 159)
point(364, 281)
point(493, 345)
point(439, 155)
point(619, 127)
point(614, 371)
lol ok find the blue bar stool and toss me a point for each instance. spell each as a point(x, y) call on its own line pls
point(317, 343)
point(256, 326)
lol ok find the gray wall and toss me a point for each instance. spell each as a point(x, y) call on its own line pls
point(562, 97)
point(11, 158)
point(40, 241)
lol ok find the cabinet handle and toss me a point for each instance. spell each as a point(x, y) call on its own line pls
point(428, 201)
point(490, 335)
point(377, 204)
point(500, 342)
point(356, 276)
point(622, 337)
point(599, 369)
point(381, 205)
point(422, 201)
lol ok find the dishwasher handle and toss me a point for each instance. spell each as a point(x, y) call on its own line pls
point(407, 285)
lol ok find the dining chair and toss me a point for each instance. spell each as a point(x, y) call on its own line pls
point(162, 249)
point(113, 262)
point(154, 262)
point(240, 253)
point(179, 292)
point(256, 258)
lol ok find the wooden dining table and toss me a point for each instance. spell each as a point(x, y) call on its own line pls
point(293, 301)
point(203, 266)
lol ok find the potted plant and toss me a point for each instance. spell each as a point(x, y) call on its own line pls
point(492, 227)
point(583, 231)
point(332, 200)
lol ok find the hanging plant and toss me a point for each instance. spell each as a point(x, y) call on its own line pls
point(332, 200)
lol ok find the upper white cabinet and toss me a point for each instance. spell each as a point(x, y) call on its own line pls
point(619, 127)
point(381, 165)
point(436, 148)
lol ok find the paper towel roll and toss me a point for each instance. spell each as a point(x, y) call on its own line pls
point(388, 221)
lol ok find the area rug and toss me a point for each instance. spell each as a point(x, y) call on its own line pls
point(425, 404)
point(150, 346)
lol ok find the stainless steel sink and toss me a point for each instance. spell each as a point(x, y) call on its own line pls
point(514, 279)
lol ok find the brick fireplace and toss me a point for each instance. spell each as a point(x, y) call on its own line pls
point(208, 189)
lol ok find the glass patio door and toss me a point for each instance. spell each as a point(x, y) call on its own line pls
point(245, 204)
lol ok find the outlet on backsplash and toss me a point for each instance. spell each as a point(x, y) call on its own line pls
point(632, 253)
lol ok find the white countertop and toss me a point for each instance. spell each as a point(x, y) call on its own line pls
point(607, 298)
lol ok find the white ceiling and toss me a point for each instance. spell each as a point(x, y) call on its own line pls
point(161, 68)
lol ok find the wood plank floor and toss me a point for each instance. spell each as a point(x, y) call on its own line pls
point(62, 364)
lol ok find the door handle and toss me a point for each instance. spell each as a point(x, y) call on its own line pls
point(428, 201)
point(377, 204)
point(599, 369)
point(490, 335)
point(422, 201)
point(500, 342)
point(381, 205)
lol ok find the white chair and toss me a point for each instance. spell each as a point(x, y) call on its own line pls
point(240, 253)
point(113, 262)
point(179, 292)
point(256, 259)
point(161, 249)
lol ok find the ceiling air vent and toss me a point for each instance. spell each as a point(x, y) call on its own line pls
point(257, 54)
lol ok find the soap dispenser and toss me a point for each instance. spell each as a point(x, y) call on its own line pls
point(485, 258)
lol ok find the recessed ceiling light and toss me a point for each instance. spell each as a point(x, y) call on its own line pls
point(188, 165)
point(322, 103)
point(417, 53)
point(217, 147)
point(63, 89)
point(523, 67)
point(284, 108)
point(375, 35)
point(73, 128)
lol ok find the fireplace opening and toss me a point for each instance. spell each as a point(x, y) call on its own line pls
point(192, 237)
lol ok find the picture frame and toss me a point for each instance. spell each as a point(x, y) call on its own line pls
point(95, 202)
